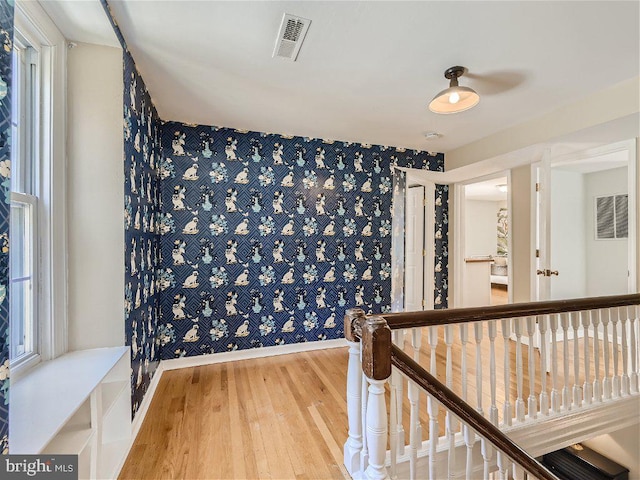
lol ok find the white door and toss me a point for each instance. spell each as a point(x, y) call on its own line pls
point(573, 261)
point(414, 249)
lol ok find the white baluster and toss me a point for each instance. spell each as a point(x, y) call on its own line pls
point(606, 381)
point(555, 395)
point(450, 420)
point(448, 341)
point(532, 406)
point(518, 472)
point(393, 432)
point(506, 333)
point(451, 454)
point(469, 440)
point(376, 430)
point(517, 326)
point(434, 434)
point(544, 399)
point(433, 407)
point(467, 432)
point(622, 314)
point(364, 454)
point(503, 466)
point(487, 454)
point(616, 361)
point(415, 434)
point(566, 393)
point(399, 338)
point(634, 353)
point(464, 339)
point(477, 328)
point(493, 332)
point(594, 315)
point(577, 390)
point(353, 445)
point(586, 388)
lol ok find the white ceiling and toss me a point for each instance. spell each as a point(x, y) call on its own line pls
point(486, 190)
point(81, 20)
point(367, 70)
point(596, 164)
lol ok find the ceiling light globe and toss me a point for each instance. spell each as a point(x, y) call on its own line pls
point(466, 98)
point(455, 98)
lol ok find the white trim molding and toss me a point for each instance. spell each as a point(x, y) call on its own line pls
point(236, 355)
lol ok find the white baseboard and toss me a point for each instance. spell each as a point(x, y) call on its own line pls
point(236, 355)
point(146, 401)
point(186, 362)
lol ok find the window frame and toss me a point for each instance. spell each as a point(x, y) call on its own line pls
point(33, 352)
point(32, 23)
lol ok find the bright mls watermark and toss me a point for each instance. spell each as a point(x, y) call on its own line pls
point(50, 467)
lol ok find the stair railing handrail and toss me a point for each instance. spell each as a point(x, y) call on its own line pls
point(429, 318)
point(467, 414)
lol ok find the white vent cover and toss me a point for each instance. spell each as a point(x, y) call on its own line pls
point(290, 37)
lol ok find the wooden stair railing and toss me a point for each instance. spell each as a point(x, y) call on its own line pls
point(512, 310)
point(594, 336)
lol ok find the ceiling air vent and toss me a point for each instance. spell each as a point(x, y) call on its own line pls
point(290, 37)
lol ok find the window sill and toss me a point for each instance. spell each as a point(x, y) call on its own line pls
point(22, 367)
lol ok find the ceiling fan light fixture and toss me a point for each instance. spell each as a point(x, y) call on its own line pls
point(455, 98)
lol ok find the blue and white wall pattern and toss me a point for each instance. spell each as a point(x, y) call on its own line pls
point(142, 241)
point(267, 240)
point(6, 48)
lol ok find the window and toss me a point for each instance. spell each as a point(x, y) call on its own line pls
point(37, 266)
point(612, 217)
point(24, 201)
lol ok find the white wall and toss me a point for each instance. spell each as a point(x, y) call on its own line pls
point(622, 447)
point(607, 260)
point(521, 257)
point(95, 197)
point(481, 218)
point(568, 250)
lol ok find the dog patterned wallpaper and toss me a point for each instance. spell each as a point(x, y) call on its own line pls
point(267, 240)
point(142, 241)
point(6, 37)
point(141, 213)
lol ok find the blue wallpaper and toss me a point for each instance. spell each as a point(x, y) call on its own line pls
point(142, 242)
point(267, 240)
point(6, 38)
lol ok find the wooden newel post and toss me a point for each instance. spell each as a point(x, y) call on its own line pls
point(376, 365)
point(353, 445)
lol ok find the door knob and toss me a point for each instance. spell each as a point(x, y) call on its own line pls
point(547, 272)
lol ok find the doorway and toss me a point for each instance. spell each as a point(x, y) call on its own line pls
point(484, 243)
point(586, 229)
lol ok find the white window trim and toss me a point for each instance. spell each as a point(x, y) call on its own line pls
point(32, 21)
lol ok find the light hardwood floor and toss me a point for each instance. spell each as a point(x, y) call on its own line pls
point(499, 295)
point(281, 417)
